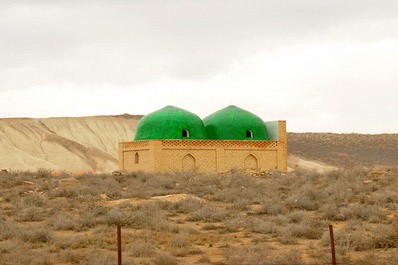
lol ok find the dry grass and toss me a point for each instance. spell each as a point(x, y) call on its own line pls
point(223, 219)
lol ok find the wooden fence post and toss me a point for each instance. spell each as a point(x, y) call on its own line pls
point(119, 245)
point(332, 244)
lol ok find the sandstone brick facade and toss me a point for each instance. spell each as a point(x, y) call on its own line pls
point(205, 155)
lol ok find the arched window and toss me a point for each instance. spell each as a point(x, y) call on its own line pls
point(249, 134)
point(137, 158)
point(185, 133)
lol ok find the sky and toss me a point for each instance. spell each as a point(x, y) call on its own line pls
point(323, 66)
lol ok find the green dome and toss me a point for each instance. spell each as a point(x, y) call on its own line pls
point(170, 123)
point(233, 123)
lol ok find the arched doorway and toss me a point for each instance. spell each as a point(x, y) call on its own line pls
point(188, 162)
point(251, 162)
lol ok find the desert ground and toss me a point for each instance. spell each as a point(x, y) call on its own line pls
point(191, 218)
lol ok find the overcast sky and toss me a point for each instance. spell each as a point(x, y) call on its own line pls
point(324, 66)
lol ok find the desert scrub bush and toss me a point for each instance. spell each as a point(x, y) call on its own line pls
point(8, 246)
point(67, 192)
point(179, 245)
point(363, 212)
point(133, 219)
point(307, 230)
point(32, 199)
point(266, 225)
point(97, 256)
point(337, 192)
point(142, 249)
point(332, 212)
point(285, 236)
point(179, 241)
point(372, 258)
point(32, 214)
point(247, 255)
point(298, 217)
point(139, 216)
point(165, 259)
point(292, 257)
point(35, 235)
point(45, 185)
point(187, 205)
point(70, 242)
point(64, 221)
point(306, 198)
point(28, 256)
point(32, 207)
point(43, 173)
point(233, 224)
point(239, 195)
point(383, 198)
point(386, 236)
point(263, 226)
point(359, 237)
point(261, 255)
point(163, 183)
point(271, 208)
point(7, 229)
point(209, 213)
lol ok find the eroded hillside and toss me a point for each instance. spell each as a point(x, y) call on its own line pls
point(346, 149)
point(73, 144)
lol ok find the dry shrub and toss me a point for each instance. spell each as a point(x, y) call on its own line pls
point(7, 230)
point(306, 198)
point(260, 255)
point(67, 192)
point(204, 260)
point(32, 214)
point(247, 255)
point(372, 258)
point(165, 259)
point(9, 246)
point(70, 242)
point(97, 257)
point(148, 216)
point(187, 205)
point(306, 230)
point(332, 212)
point(386, 236)
point(35, 235)
point(272, 208)
point(292, 257)
point(363, 212)
point(264, 226)
point(209, 213)
point(28, 256)
point(179, 241)
point(233, 224)
point(142, 249)
point(63, 221)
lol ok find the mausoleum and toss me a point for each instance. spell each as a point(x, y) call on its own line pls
point(173, 139)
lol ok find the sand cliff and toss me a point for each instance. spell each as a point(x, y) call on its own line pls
point(74, 144)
